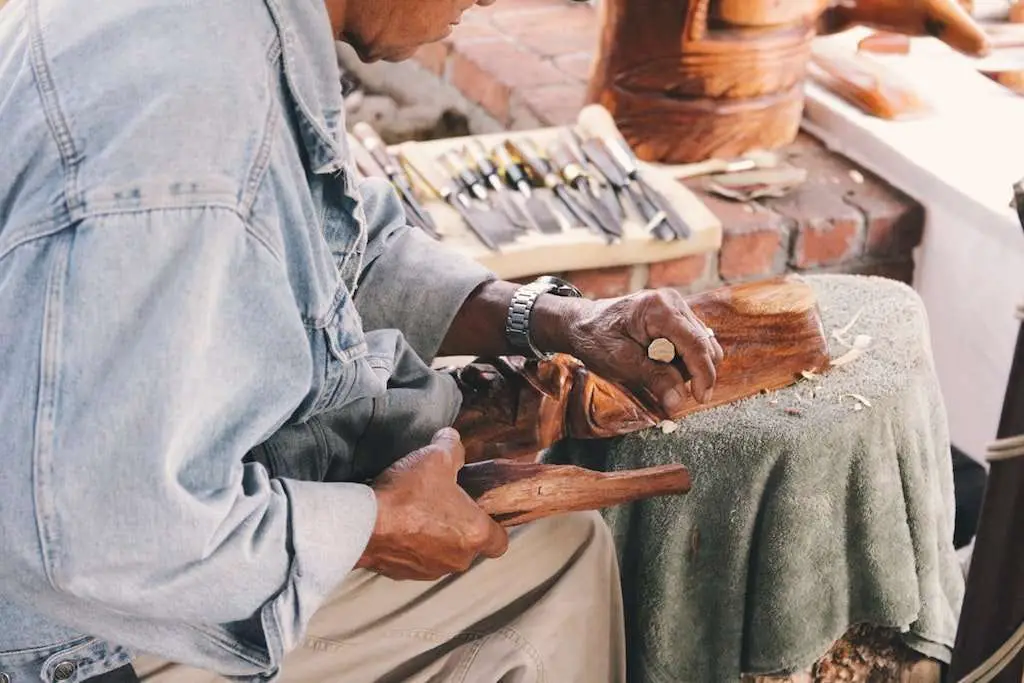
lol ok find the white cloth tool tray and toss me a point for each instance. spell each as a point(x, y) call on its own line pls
point(573, 248)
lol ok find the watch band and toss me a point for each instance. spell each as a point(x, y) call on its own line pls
point(517, 323)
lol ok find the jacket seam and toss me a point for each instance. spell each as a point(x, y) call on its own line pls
point(45, 419)
point(283, 32)
point(55, 116)
point(104, 213)
point(261, 162)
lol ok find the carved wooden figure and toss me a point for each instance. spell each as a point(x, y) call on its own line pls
point(688, 80)
point(770, 332)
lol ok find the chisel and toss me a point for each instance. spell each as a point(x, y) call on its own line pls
point(602, 191)
point(599, 156)
point(372, 143)
point(539, 211)
point(625, 159)
point(460, 173)
point(562, 160)
point(475, 219)
point(505, 199)
point(526, 151)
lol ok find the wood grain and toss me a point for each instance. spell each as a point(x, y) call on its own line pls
point(770, 332)
point(515, 492)
point(688, 80)
point(868, 85)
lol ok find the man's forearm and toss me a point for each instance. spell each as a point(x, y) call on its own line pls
point(479, 326)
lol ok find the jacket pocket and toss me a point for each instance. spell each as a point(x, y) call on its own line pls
point(349, 371)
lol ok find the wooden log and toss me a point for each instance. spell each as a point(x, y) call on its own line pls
point(515, 493)
point(689, 80)
point(770, 332)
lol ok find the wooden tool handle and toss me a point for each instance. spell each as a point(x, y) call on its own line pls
point(516, 492)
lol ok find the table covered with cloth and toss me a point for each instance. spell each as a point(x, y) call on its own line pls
point(815, 508)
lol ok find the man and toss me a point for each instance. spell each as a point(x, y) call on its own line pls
point(213, 332)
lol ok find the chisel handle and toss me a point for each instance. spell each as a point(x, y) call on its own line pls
point(518, 492)
point(513, 172)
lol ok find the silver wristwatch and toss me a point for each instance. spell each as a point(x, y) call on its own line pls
point(517, 323)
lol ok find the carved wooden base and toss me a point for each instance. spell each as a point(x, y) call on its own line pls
point(682, 131)
point(865, 653)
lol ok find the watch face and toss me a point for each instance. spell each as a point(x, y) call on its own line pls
point(561, 287)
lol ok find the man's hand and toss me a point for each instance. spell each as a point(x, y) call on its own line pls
point(427, 526)
point(611, 337)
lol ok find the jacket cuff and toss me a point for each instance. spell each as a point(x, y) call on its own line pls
point(331, 524)
point(417, 285)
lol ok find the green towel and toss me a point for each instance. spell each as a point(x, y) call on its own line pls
point(798, 525)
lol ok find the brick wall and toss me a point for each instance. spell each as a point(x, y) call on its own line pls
point(525, 63)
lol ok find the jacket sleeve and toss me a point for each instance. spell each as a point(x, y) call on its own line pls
point(175, 345)
point(410, 282)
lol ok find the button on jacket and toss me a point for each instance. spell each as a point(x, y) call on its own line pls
point(188, 264)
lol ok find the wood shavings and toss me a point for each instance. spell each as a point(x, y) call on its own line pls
point(668, 426)
point(847, 358)
point(861, 401)
point(840, 333)
point(809, 374)
point(857, 407)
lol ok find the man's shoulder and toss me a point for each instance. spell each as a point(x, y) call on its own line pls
point(158, 89)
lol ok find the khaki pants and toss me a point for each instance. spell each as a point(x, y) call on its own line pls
point(550, 610)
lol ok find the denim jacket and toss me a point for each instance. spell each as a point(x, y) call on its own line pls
point(188, 265)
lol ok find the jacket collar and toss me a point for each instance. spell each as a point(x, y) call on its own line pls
point(313, 79)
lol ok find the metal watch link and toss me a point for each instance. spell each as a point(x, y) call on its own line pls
point(517, 323)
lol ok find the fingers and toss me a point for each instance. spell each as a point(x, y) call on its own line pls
point(449, 441)
point(668, 316)
point(497, 540)
point(666, 384)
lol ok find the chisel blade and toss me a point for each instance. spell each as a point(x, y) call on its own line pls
point(542, 215)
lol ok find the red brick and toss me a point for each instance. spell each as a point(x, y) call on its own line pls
point(479, 86)
point(552, 31)
point(827, 242)
point(680, 272)
point(895, 222)
point(488, 72)
point(512, 65)
point(755, 240)
point(576, 66)
point(432, 57)
point(890, 236)
point(599, 283)
point(554, 105)
point(751, 255)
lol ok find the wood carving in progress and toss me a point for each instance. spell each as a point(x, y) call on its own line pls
point(688, 80)
point(770, 333)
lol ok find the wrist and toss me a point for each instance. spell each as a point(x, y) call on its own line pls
point(553, 321)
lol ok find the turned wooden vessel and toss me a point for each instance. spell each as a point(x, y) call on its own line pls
point(688, 80)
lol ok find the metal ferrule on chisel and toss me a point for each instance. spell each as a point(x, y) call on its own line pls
point(460, 173)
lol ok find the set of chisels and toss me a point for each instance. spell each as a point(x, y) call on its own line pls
point(519, 187)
